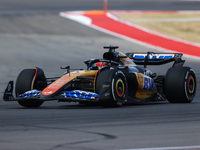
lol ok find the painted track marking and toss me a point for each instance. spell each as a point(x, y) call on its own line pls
point(108, 23)
point(168, 148)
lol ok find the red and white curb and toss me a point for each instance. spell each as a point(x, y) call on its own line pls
point(108, 23)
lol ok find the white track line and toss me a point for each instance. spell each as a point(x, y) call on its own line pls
point(152, 32)
point(165, 20)
point(167, 148)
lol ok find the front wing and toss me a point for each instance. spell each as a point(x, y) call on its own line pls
point(76, 95)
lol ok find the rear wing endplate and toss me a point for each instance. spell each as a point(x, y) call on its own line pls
point(151, 58)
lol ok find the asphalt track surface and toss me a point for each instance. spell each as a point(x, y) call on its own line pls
point(32, 33)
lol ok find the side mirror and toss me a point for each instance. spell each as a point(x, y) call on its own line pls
point(66, 67)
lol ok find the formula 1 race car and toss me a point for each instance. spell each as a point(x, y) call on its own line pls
point(112, 80)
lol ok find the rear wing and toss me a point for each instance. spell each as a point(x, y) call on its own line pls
point(151, 58)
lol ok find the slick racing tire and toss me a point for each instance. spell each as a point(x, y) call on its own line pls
point(117, 86)
point(180, 85)
point(24, 84)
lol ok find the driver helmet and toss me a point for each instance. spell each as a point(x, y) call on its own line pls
point(101, 65)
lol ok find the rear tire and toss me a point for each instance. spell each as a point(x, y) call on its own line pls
point(24, 84)
point(118, 86)
point(180, 85)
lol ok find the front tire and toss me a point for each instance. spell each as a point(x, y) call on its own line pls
point(180, 85)
point(117, 86)
point(24, 83)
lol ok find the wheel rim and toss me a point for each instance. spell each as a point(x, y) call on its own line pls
point(191, 85)
point(120, 88)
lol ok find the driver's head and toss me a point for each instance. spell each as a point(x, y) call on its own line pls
point(101, 65)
